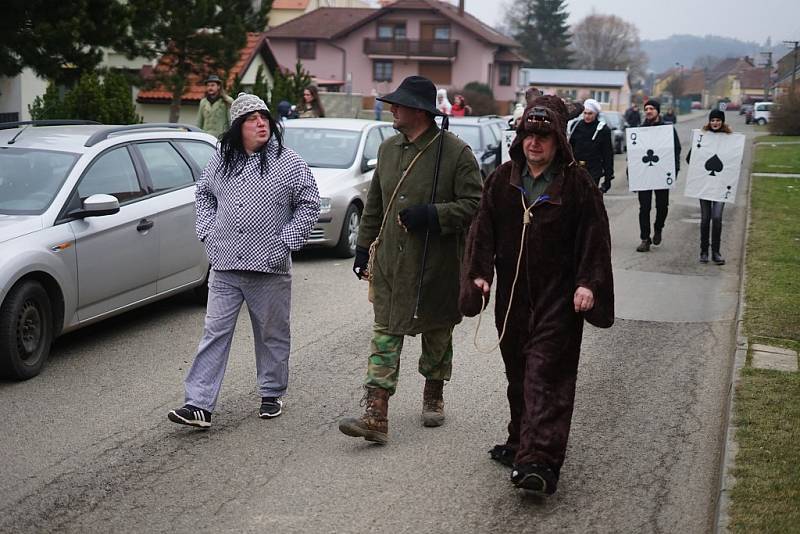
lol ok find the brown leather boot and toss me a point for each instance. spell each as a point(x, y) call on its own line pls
point(374, 424)
point(433, 403)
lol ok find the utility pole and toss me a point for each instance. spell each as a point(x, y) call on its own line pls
point(794, 44)
point(769, 71)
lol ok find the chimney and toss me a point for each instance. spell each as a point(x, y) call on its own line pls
point(460, 8)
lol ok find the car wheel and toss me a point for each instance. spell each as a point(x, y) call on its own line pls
point(762, 122)
point(346, 247)
point(26, 331)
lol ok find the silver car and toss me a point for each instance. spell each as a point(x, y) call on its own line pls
point(342, 154)
point(94, 220)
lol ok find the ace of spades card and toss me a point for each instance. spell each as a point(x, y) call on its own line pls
point(714, 166)
point(651, 158)
point(508, 138)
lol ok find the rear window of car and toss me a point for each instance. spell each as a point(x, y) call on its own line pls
point(469, 134)
point(30, 179)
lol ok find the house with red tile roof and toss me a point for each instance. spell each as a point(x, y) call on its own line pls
point(153, 103)
point(366, 50)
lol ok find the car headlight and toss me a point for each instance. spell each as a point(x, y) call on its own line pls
point(324, 205)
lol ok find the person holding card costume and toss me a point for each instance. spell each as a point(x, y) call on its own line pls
point(542, 226)
point(711, 211)
point(652, 117)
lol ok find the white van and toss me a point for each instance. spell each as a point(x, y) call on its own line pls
point(761, 111)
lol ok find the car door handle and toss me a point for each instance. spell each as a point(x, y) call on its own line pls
point(144, 225)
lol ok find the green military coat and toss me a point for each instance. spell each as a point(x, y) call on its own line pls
point(397, 262)
point(213, 118)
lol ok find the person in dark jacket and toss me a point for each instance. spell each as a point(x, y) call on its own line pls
point(400, 225)
point(542, 226)
point(652, 117)
point(632, 116)
point(590, 139)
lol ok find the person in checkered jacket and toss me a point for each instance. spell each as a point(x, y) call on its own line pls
point(256, 202)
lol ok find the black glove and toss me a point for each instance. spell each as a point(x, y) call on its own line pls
point(606, 185)
point(361, 261)
point(421, 218)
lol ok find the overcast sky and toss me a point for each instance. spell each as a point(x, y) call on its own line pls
point(779, 19)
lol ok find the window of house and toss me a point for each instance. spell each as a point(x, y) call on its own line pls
point(382, 71)
point(391, 31)
point(441, 33)
point(504, 73)
point(604, 97)
point(568, 93)
point(306, 49)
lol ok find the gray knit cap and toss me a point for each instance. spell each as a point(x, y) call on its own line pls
point(246, 103)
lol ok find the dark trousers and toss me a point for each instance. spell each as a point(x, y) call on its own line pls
point(645, 202)
point(710, 216)
point(542, 369)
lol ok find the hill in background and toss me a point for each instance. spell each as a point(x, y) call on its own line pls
point(687, 49)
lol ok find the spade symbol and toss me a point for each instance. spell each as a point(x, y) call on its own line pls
point(650, 158)
point(714, 165)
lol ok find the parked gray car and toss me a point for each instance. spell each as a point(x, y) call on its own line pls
point(94, 220)
point(342, 154)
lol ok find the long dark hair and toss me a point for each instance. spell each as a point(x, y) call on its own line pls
point(231, 145)
point(316, 104)
point(722, 129)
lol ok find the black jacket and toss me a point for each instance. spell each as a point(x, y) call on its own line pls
point(597, 153)
point(633, 118)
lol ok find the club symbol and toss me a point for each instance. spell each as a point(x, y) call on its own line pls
point(633, 137)
point(650, 158)
point(714, 165)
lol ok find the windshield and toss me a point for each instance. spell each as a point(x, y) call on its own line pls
point(30, 179)
point(334, 149)
point(469, 134)
point(612, 120)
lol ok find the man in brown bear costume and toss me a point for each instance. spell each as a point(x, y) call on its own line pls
point(561, 276)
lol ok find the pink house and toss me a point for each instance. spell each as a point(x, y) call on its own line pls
point(374, 49)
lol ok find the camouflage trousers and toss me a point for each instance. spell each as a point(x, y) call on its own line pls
point(383, 367)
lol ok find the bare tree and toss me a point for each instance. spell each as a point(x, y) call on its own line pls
point(606, 42)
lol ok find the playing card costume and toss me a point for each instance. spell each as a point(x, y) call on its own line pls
point(566, 244)
point(662, 195)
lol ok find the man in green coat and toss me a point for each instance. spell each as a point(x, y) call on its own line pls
point(398, 219)
point(213, 113)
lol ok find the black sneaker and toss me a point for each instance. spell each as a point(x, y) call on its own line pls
point(270, 407)
point(657, 238)
point(718, 259)
point(191, 415)
point(704, 257)
point(503, 454)
point(644, 246)
point(534, 477)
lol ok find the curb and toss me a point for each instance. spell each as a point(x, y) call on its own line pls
point(731, 447)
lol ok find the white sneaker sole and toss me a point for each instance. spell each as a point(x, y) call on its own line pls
point(175, 418)
point(263, 415)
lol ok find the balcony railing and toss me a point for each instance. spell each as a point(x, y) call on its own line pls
point(411, 47)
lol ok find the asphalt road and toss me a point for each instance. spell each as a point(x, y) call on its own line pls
point(86, 446)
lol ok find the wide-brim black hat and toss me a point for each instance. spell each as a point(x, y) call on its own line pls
point(414, 92)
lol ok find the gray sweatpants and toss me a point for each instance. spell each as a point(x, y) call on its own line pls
point(268, 298)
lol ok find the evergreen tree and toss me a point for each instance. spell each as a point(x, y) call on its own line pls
point(198, 37)
point(540, 26)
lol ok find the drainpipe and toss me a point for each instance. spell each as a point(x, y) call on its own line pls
point(344, 63)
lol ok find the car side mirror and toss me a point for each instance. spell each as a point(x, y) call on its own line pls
point(369, 164)
point(488, 154)
point(96, 206)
